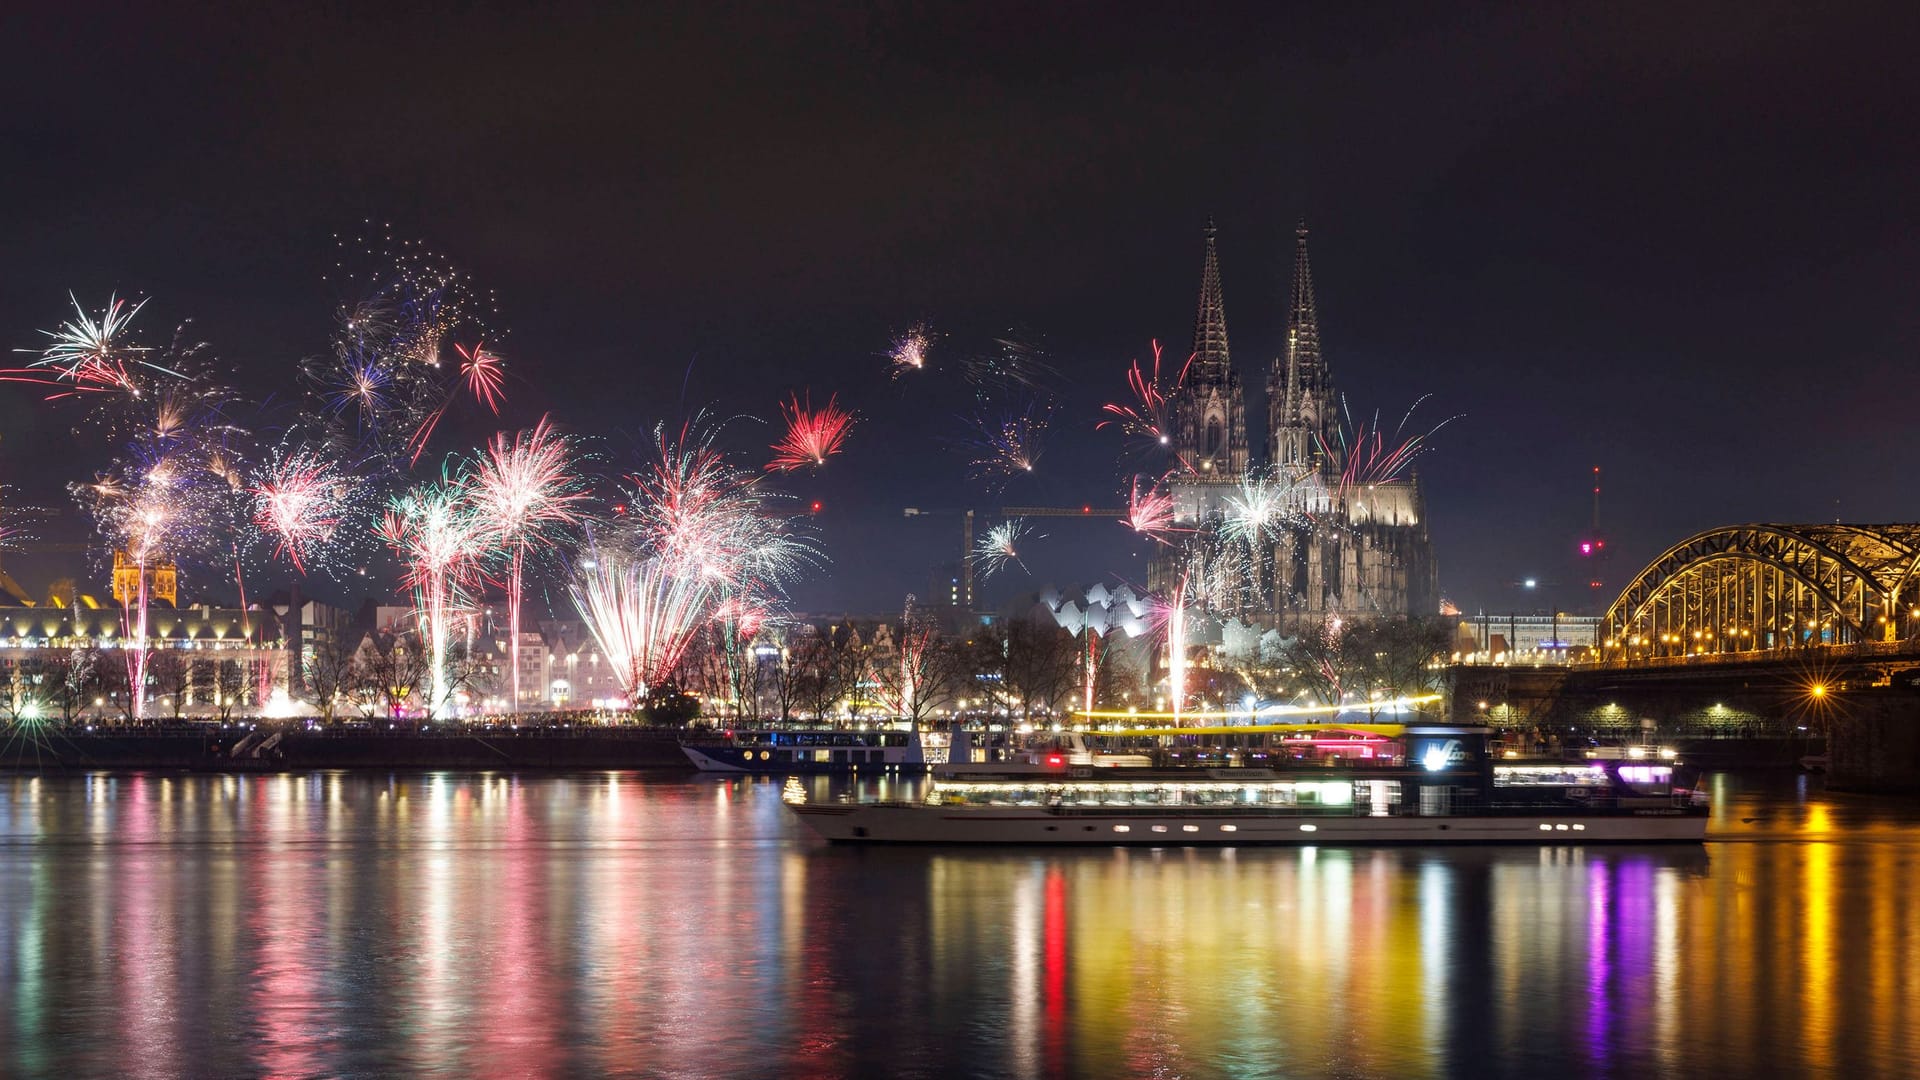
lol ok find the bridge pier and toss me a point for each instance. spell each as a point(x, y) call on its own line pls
point(1873, 743)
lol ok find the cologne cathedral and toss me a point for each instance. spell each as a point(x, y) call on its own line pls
point(1340, 543)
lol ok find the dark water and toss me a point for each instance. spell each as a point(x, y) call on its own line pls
point(491, 925)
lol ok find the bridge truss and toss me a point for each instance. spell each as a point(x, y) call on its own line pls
point(1762, 588)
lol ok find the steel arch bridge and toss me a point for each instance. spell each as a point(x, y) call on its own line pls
point(1764, 588)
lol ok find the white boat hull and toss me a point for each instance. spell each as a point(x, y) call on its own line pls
point(899, 823)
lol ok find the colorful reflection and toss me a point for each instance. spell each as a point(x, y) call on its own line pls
point(605, 924)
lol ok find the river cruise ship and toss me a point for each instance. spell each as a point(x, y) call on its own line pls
point(1443, 789)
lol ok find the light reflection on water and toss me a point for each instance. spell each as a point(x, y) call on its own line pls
point(468, 924)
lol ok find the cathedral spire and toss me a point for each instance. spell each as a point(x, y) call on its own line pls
point(1210, 360)
point(1305, 368)
point(1302, 408)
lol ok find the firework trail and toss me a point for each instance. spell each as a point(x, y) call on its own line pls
point(811, 437)
point(1005, 444)
point(1015, 365)
point(301, 500)
point(1148, 417)
point(1150, 512)
point(1369, 456)
point(437, 535)
point(527, 494)
point(901, 690)
point(701, 543)
point(1171, 615)
point(643, 613)
point(909, 350)
point(999, 547)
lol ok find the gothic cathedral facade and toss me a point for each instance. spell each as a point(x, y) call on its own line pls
point(1345, 548)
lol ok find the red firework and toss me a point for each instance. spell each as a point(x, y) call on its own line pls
point(484, 374)
point(812, 437)
point(1147, 417)
point(1149, 512)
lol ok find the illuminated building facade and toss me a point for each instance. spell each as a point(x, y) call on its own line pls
point(1348, 544)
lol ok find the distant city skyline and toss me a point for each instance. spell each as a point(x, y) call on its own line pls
point(1490, 230)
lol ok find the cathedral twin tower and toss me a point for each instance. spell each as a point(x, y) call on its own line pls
point(1349, 544)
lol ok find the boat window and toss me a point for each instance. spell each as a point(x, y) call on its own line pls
point(1552, 774)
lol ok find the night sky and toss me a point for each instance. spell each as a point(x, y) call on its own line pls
point(1681, 246)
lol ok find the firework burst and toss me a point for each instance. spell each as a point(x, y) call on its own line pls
point(706, 516)
point(439, 538)
point(811, 436)
point(1259, 507)
point(642, 613)
point(1148, 417)
point(527, 494)
point(91, 354)
point(701, 543)
point(132, 389)
point(1367, 455)
point(165, 498)
point(483, 373)
point(386, 384)
point(301, 501)
point(1000, 547)
point(909, 350)
point(1150, 512)
point(1016, 364)
point(1005, 444)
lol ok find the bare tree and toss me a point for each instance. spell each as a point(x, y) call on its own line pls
point(171, 673)
point(113, 685)
point(388, 674)
point(985, 678)
point(68, 679)
point(20, 697)
point(1042, 661)
point(1392, 656)
point(327, 677)
point(815, 673)
point(924, 673)
point(229, 687)
point(1312, 660)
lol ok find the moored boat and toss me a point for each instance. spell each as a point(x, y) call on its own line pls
point(1445, 789)
point(808, 752)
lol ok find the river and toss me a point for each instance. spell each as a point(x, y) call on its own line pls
point(464, 924)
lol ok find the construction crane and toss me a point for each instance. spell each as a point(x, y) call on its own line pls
point(1087, 510)
point(7, 583)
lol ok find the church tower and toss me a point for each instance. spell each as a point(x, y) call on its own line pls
point(1210, 416)
point(1301, 408)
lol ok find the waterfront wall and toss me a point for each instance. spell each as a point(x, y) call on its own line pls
point(53, 749)
point(1869, 734)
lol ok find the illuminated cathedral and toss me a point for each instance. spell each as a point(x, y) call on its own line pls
point(1344, 547)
